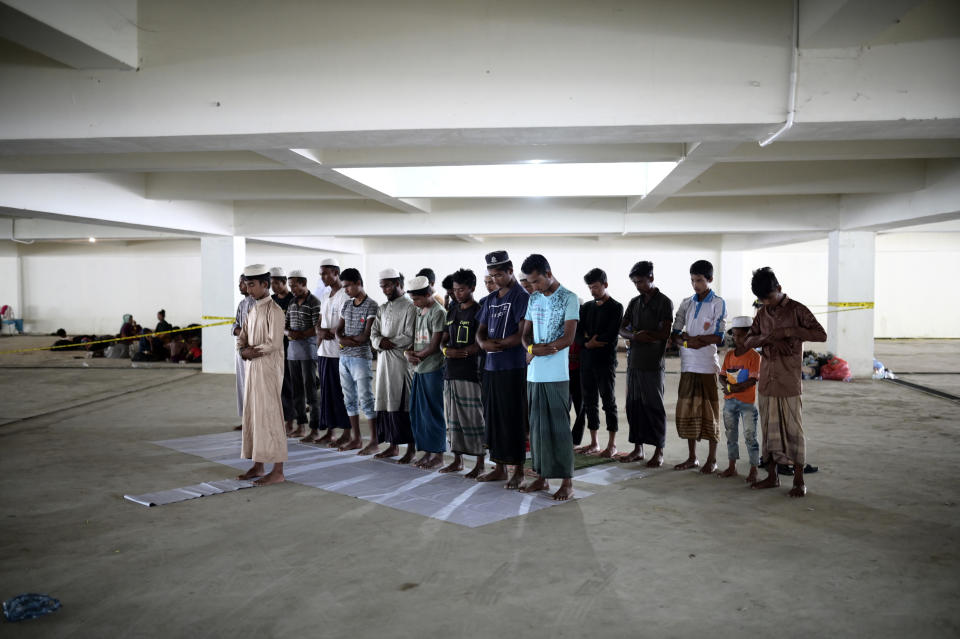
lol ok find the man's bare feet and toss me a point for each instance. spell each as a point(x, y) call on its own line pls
point(341, 440)
point(423, 459)
point(288, 427)
point(730, 471)
point(475, 473)
point(323, 440)
point(657, 460)
point(632, 456)
point(528, 472)
point(311, 437)
point(455, 466)
point(240, 427)
point(608, 452)
point(752, 475)
point(691, 462)
point(299, 431)
point(533, 486)
point(433, 461)
point(392, 451)
point(273, 477)
point(499, 473)
point(710, 467)
point(565, 492)
point(771, 481)
point(589, 449)
point(352, 444)
point(515, 479)
point(253, 473)
point(798, 490)
point(369, 449)
point(408, 456)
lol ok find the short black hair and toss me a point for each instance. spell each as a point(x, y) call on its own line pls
point(447, 283)
point(763, 282)
point(263, 279)
point(702, 267)
point(595, 275)
point(506, 266)
point(162, 312)
point(535, 263)
point(351, 275)
point(429, 274)
point(464, 276)
point(641, 269)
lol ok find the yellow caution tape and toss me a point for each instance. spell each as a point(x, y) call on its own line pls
point(217, 317)
point(117, 339)
point(851, 304)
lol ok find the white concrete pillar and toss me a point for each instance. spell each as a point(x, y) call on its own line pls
point(851, 280)
point(731, 282)
point(221, 264)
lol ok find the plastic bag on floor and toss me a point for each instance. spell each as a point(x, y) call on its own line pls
point(836, 369)
point(29, 606)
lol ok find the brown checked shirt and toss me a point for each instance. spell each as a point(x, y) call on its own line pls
point(779, 371)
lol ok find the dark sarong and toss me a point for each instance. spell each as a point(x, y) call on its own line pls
point(333, 412)
point(781, 420)
point(393, 427)
point(426, 412)
point(504, 413)
point(698, 407)
point(463, 411)
point(551, 447)
point(645, 412)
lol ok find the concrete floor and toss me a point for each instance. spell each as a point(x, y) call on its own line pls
point(872, 551)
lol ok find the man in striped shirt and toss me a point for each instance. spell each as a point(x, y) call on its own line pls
point(303, 315)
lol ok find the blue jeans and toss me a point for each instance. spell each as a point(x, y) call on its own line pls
point(356, 378)
point(733, 410)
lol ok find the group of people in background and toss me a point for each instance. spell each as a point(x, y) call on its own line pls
point(497, 375)
point(164, 343)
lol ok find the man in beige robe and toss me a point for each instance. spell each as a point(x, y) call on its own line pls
point(260, 343)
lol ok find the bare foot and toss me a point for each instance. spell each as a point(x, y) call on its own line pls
point(299, 431)
point(798, 490)
point(273, 477)
point(323, 440)
point(538, 484)
point(391, 451)
point(528, 472)
point(253, 473)
point(751, 477)
point(632, 456)
point(772, 481)
point(656, 462)
point(475, 473)
point(691, 462)
point(515, 480)
point(288, 426)
point(497, 474)
point(731, 471)
point(311, 438)
point(608, 452)
point(352, 444)
point(370, 449)
point(408, 456)
point(710, 467)
point(340, 441)
point(564, 493)
point(240, 427)
point(587, 450)
point(433, 461)
point(453, 467)
point(423, 460)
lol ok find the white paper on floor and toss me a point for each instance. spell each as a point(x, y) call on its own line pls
point(447, 497)
point(606, 474)
point(174, 495)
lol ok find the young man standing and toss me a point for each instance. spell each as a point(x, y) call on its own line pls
point(391, 335)
point(303, 315)
point(282, 296)
point(462, 408)
point(549, 327)
point(646, 323)
point(697, 328)
point(356, 359)
point(597, 334)
point(333, 412)
point(490, 285)
point(260, 344)
point(241, 364)
point(431, 282)
point(504, 375)
point(780, 328)
point(426, 395)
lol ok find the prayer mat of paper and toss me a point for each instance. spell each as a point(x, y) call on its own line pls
point(447, 497)
point(586, 461)
point(205, 489)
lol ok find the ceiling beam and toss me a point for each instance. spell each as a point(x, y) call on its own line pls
point(699, 157)
point(138, 162)
point(243, 185)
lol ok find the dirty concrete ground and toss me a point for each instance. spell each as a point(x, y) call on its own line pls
point(872, 551)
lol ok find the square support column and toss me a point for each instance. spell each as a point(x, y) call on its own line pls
point(732, 284)
point(221, 264)
point(851, 275)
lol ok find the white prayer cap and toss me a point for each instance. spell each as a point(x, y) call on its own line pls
point(329, 261)
point(277, 271)
point(297, 273)
point(418, 283)
point(389, 274)
point(255, 270)
point(741, 321)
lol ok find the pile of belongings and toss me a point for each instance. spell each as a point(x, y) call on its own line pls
point(825, 366)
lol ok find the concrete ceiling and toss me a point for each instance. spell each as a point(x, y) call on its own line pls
point(205, 138)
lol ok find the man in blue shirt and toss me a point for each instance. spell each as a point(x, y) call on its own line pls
point(548, 330)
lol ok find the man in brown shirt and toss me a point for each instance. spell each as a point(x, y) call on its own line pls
point(779, 329)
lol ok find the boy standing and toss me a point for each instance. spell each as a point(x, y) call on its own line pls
point(779, 329)
point(697, 329)
point(549, 327)
point(356, 359)
point(282, 296)
point(243, 308)
point(391, 335)
point(303, 315)
point(741, 369)
point(646, 324)
point(426, 400)
point(461, 381)
point(597, 333)
point(259, 343)
point(505, 368)
point(333, 412)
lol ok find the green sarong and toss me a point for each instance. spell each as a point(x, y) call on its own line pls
point(551, 446)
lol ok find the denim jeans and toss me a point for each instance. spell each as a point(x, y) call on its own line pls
point(356, 378)
point(733, 410)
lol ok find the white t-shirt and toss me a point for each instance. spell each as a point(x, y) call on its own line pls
point(701, 318)
point(330, 318)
